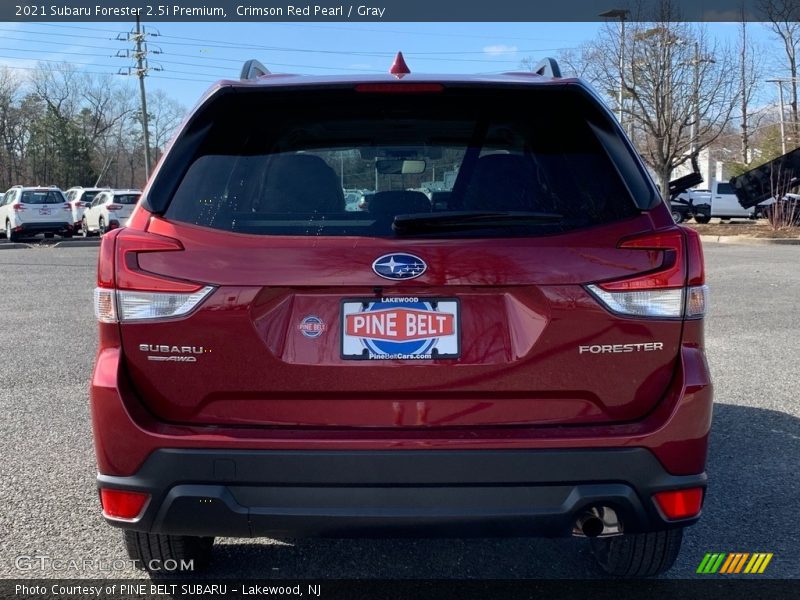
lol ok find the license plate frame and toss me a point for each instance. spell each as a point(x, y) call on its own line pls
point(439, 317)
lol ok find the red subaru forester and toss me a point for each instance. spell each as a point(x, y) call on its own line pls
point(402, 305)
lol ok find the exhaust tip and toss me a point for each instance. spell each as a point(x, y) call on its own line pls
point(600, 521)
point(592, 527)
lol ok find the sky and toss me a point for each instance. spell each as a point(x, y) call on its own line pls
point(187, 57)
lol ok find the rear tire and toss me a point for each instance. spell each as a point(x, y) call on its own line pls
point(677, 217)
point(152, 550)
point(638, 554)
point(702, 219)
point(84, 228)
point(10, 235)
point(101, 227)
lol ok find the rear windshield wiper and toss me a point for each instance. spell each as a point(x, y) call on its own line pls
point(469, 219)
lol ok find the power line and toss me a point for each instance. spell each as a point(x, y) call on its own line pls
point(58, 43)
point(194, 42)
point(234, 44)
point(170, 77)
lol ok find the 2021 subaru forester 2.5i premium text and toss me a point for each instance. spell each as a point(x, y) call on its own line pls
point(521, 356)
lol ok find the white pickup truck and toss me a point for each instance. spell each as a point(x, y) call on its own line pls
point(720, 202)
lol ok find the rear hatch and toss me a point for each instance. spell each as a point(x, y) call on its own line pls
point(474, 310)
point(121, 207)
point(44, 206)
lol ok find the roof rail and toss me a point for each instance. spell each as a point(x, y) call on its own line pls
point(548, 68)
point(253, 69)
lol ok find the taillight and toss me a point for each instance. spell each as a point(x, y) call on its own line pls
point(66, 206)
point(133, 294)
point(18, 207)
point(675, 290)
point(114, 207)
point(123, 505)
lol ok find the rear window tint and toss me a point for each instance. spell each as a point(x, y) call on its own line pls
point(43, 197)
point(295, 165)
point(126, 199)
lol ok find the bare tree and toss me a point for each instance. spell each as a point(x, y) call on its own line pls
point(784, 21)
point(164, 114)
point(10, 91)
point(680, 95)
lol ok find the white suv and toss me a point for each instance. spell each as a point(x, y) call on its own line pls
point(109, 210)
point(34, 210)
point(79, 199)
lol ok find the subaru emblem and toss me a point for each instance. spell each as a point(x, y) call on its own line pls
point(399, 266)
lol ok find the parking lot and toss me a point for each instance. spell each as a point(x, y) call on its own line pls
point(50, 507)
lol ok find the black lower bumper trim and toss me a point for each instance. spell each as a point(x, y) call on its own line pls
point(44, 227)
point(418, 493)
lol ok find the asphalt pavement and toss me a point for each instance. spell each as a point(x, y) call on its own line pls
point(50, 506)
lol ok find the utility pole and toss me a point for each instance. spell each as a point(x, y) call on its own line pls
point(743, 91)
point(142, 68)
point(783, 126)
point(141, 72)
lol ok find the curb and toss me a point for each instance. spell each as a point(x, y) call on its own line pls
point(62, 244)
point(749, 241)
point(78, 244)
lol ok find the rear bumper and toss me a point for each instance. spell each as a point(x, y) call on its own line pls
point(354, 493)
point(44, 227)
point(250, 481)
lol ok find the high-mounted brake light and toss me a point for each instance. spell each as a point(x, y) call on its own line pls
point(399, 88)
point(675, 290)
point(129, 293)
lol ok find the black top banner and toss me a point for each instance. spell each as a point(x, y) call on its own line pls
point(388, 10)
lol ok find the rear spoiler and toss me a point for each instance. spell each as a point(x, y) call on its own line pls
point(778, 176)
point(681, 184)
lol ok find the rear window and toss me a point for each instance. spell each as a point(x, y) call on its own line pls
point(88, 196)
point(126, 199)
point(43, 197)
point(280, 164)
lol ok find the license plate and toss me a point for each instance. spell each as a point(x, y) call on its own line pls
point(44, 211)
point(401, 329)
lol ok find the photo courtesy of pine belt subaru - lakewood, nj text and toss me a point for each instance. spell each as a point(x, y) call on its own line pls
point(503, 336)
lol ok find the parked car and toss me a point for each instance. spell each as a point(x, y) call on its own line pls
point(29, 211)
point(79, 199)
point(523, 357)
point(109, 210)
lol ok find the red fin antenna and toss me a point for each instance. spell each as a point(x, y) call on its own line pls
point(399, 67)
